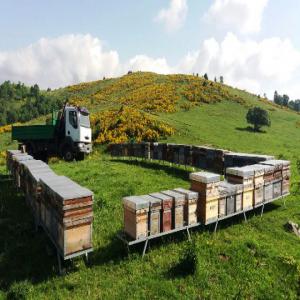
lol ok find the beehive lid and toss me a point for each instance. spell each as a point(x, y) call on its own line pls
point(240, 171)
point(205, 177)
point(189, 195)
point(21, 157)
point(135, 202)
point(276, 163)
point(227, 188)
point(153, 202)
point(175, 195)
point(258, 169)
point(65, 188)
point(268, 168)
point(30, 164)
point(37, 174)
point(13, 152)
point(161, 196)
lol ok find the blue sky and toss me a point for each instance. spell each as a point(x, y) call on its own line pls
point(254, 44)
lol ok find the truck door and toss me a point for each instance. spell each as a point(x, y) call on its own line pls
point(72, 126)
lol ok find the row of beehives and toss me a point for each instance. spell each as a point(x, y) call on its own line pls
point(215, 160)
point(59, 205)
point(208, 200)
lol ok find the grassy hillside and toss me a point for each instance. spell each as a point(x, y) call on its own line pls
point(254, 260)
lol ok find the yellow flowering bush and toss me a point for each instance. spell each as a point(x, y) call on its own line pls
point(5, 128)
point(119, 126)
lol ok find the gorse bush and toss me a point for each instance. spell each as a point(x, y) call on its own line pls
point(127, 124)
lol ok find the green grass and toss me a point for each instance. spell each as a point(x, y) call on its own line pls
point(254, 260)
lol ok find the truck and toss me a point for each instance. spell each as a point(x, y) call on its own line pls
point(66, 134)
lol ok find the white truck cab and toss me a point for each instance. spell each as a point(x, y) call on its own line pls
point(78, 128)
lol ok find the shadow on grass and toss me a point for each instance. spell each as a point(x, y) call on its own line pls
point(173, 170)
point(22, 249)
point(249, 129)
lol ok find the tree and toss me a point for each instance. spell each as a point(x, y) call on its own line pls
point(285, 100)
point(258, 117)
point(221, 79)
point(205, 76)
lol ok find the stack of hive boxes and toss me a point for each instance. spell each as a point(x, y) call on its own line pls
point(62, 207)
point(278, 176)
point(9, 159)
point(67, 213)
point(159, 212)
point(207, 186)
point(244, 176)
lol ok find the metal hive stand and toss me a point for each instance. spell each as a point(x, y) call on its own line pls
point(129, 242)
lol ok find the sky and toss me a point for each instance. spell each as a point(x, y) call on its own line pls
point(254, 45)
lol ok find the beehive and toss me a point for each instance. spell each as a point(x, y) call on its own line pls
point(175, 150)
point(239, 198)
point(229, 191)
point(190, 210)
point(166, 211)
point(258, 195)
point(154, 214)
point(222, 204)
point(207, 185)
point(136, 216)
point(154, 151)
point(16, 160)
point(181, 155)
point(277, 189)
point(268, 191)
point(188, 152)
point(170, 152)
point(67, 214)
point(198, 157)
point(178, 208)
point(9, 159)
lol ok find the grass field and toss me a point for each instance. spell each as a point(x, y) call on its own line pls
point(254, 260)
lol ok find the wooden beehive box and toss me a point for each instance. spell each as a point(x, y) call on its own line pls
point(229, 190)
point(9, 159)
point(16, 167)
point(191, 205)
point(239, 197)
point(268, 191)
point(258, 195)
point(188, 155)
point(277, 189)
point(67, 214)
point(178, 208)
point(166, 211)
point(154, 214)
point(241, 175)
point(206, 184)
point(136, 216)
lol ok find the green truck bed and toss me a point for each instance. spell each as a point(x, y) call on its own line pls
point(33, 132)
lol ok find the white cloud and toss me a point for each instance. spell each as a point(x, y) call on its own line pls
point(257, 66)
point(60, 61)
point(244, 16)
point(174, 16)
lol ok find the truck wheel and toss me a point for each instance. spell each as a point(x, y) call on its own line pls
point(80, 156)
point(68, 154)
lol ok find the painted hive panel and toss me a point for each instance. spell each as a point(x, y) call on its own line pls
point(222, 207)
point(285, 186)
point(247, 199)
point(258, 195)
point(208, 211)
point(277, 189)
point(230, 202)
point(239, 202)
point(268, 192)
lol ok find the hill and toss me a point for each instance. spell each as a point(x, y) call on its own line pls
point(257, 259)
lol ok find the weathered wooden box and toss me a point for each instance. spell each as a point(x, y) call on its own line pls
point(258, 195)
point(178, 208)
point(208, 210)
point(247, 199)
point(154, 214)
point(136, 216)
point(166, 211)
point(67, 215)
point(191, 205)
point(285, 186)
point(206, 184)
point(9, 159)
point(277, 189)
point(268, 191)
point(241, 175)
point(229, 191)
point(222, 206)
point(16, 167)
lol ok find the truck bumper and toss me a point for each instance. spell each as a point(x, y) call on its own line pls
point(85, 148)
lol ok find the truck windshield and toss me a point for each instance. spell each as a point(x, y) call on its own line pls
point(84, 120)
